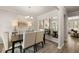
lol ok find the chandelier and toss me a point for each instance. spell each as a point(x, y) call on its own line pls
point(28, 17)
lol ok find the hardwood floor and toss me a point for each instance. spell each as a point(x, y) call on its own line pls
point(1, 47)
point(71, 46)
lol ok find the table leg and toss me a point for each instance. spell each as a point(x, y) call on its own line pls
point(13, 47)
point(44, 38)
point(20, 47)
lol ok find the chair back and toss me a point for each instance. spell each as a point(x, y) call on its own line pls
point(5, 38)
point(39, 36)
point(14, 37)
point(28, 39)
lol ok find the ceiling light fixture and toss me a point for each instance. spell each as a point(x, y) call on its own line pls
point(26, 17)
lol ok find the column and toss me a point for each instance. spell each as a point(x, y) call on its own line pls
point(61, 26)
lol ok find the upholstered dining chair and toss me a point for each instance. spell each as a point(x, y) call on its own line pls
point(6, 41)
point(29, 40)
point(39, 38)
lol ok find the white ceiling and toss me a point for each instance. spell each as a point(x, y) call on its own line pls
point(35, 10)
point(72, 8)
point(28, 10)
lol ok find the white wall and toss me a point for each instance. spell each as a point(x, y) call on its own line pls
point(5, 21)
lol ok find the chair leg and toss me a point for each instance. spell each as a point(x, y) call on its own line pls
point(35, 48)
point(42, 44)
point(23, 50)
point(5, 51)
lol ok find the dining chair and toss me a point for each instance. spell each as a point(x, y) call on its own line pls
point(39, 38)
point(29, 40)
point(6, 42)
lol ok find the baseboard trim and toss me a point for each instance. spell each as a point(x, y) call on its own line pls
point(60, 47)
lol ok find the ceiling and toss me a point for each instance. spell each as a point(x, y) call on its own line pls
point(35, 10)
point(28, 10)
point(72, 8)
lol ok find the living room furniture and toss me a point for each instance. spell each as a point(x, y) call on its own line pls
point(74, 33)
